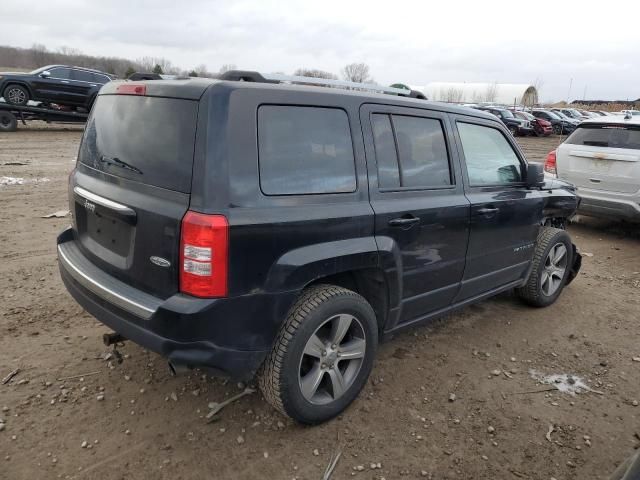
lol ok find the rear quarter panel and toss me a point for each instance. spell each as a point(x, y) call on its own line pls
point(277, 243)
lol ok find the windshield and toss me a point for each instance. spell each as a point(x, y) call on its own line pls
point(562, 116)
point(527, 115)
point(506, 114)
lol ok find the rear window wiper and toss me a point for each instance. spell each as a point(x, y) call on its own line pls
point(116, 162)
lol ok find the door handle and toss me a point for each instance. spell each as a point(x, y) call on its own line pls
point(403, 221)
point(486, 211)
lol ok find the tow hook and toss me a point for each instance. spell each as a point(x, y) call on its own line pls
point(114, 339)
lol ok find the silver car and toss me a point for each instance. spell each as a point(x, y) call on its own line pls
point(602, 159)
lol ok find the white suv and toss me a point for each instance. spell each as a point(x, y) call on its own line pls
point(602, 159)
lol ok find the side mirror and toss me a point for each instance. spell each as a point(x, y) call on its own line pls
point(45, 74)
point(535, 175)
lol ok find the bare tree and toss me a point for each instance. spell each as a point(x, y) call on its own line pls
point(201, 71)
point(357, 72)
point(454, 95)
point(315, 73)
point(39, 54)
point(491, 93)
point(148, 64)
point(70, 51)
point(227, 67)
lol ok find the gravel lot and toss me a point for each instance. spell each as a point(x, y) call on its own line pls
point(138, 422)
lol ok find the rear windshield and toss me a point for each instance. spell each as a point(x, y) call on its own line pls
point(612, 136)
point(146, 139)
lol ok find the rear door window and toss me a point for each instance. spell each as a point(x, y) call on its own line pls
point(305, 150)
point(410, 152)
point(386, 154)
point(611, 136)
point(146, 139)
point(489, 157)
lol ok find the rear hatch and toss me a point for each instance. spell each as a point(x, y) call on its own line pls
point(602, 156)
point(132, 186)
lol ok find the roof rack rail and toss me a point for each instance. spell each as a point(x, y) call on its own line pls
point(250, 76)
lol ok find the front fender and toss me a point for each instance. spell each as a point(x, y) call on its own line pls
point(301, 266)
point(12, 81)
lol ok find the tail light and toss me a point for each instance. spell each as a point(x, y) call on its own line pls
point(204, 248)
point(550, 163)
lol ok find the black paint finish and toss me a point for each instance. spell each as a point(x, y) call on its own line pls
point(435, 249)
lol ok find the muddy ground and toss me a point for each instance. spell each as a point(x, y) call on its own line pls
point(138, 422)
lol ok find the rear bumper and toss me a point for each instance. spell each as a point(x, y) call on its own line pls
point(609, 205)
point(231, 335)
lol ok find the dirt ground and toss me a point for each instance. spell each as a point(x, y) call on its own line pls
point(138, 422)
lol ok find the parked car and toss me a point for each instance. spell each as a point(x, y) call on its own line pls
point(601, 113)
point(516, 126)
point(541, 127)
point(630, 112)
point(59, 84)
point(561, 125)
point(602, 158)
point(570, 113)
point(353, 215)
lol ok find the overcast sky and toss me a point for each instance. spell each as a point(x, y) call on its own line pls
point(403, 41)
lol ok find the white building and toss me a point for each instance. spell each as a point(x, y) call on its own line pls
point(502, 93)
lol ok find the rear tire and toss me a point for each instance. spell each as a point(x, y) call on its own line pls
point(8, 122)
point(322, 356)
point(16, 95)
point(552, 261)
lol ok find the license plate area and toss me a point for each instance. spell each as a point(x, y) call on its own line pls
point(106, 234)
point(110, 233)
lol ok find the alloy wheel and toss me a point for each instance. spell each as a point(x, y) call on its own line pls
point(331, 359)
point(555, 267)
point(16, 96)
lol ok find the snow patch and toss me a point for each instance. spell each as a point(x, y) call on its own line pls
point(7, 181)
point(564, 382)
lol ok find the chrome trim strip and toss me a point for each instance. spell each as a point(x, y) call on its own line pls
point(604, 156)
point(96, 287)
point(105, 202)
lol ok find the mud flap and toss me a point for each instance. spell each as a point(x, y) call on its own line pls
point(577, 263)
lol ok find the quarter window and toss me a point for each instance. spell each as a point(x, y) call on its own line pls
point(410, 152)
point(305, 150)
point(489, 156)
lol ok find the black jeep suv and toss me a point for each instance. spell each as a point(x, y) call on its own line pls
point(283, 230)
point(59, 84)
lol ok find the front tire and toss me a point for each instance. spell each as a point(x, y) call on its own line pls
point(552, 261)
point(513, 130)
point(322, 356)
point(16, 95)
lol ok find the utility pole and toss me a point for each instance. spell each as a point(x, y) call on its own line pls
point(569, 92)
